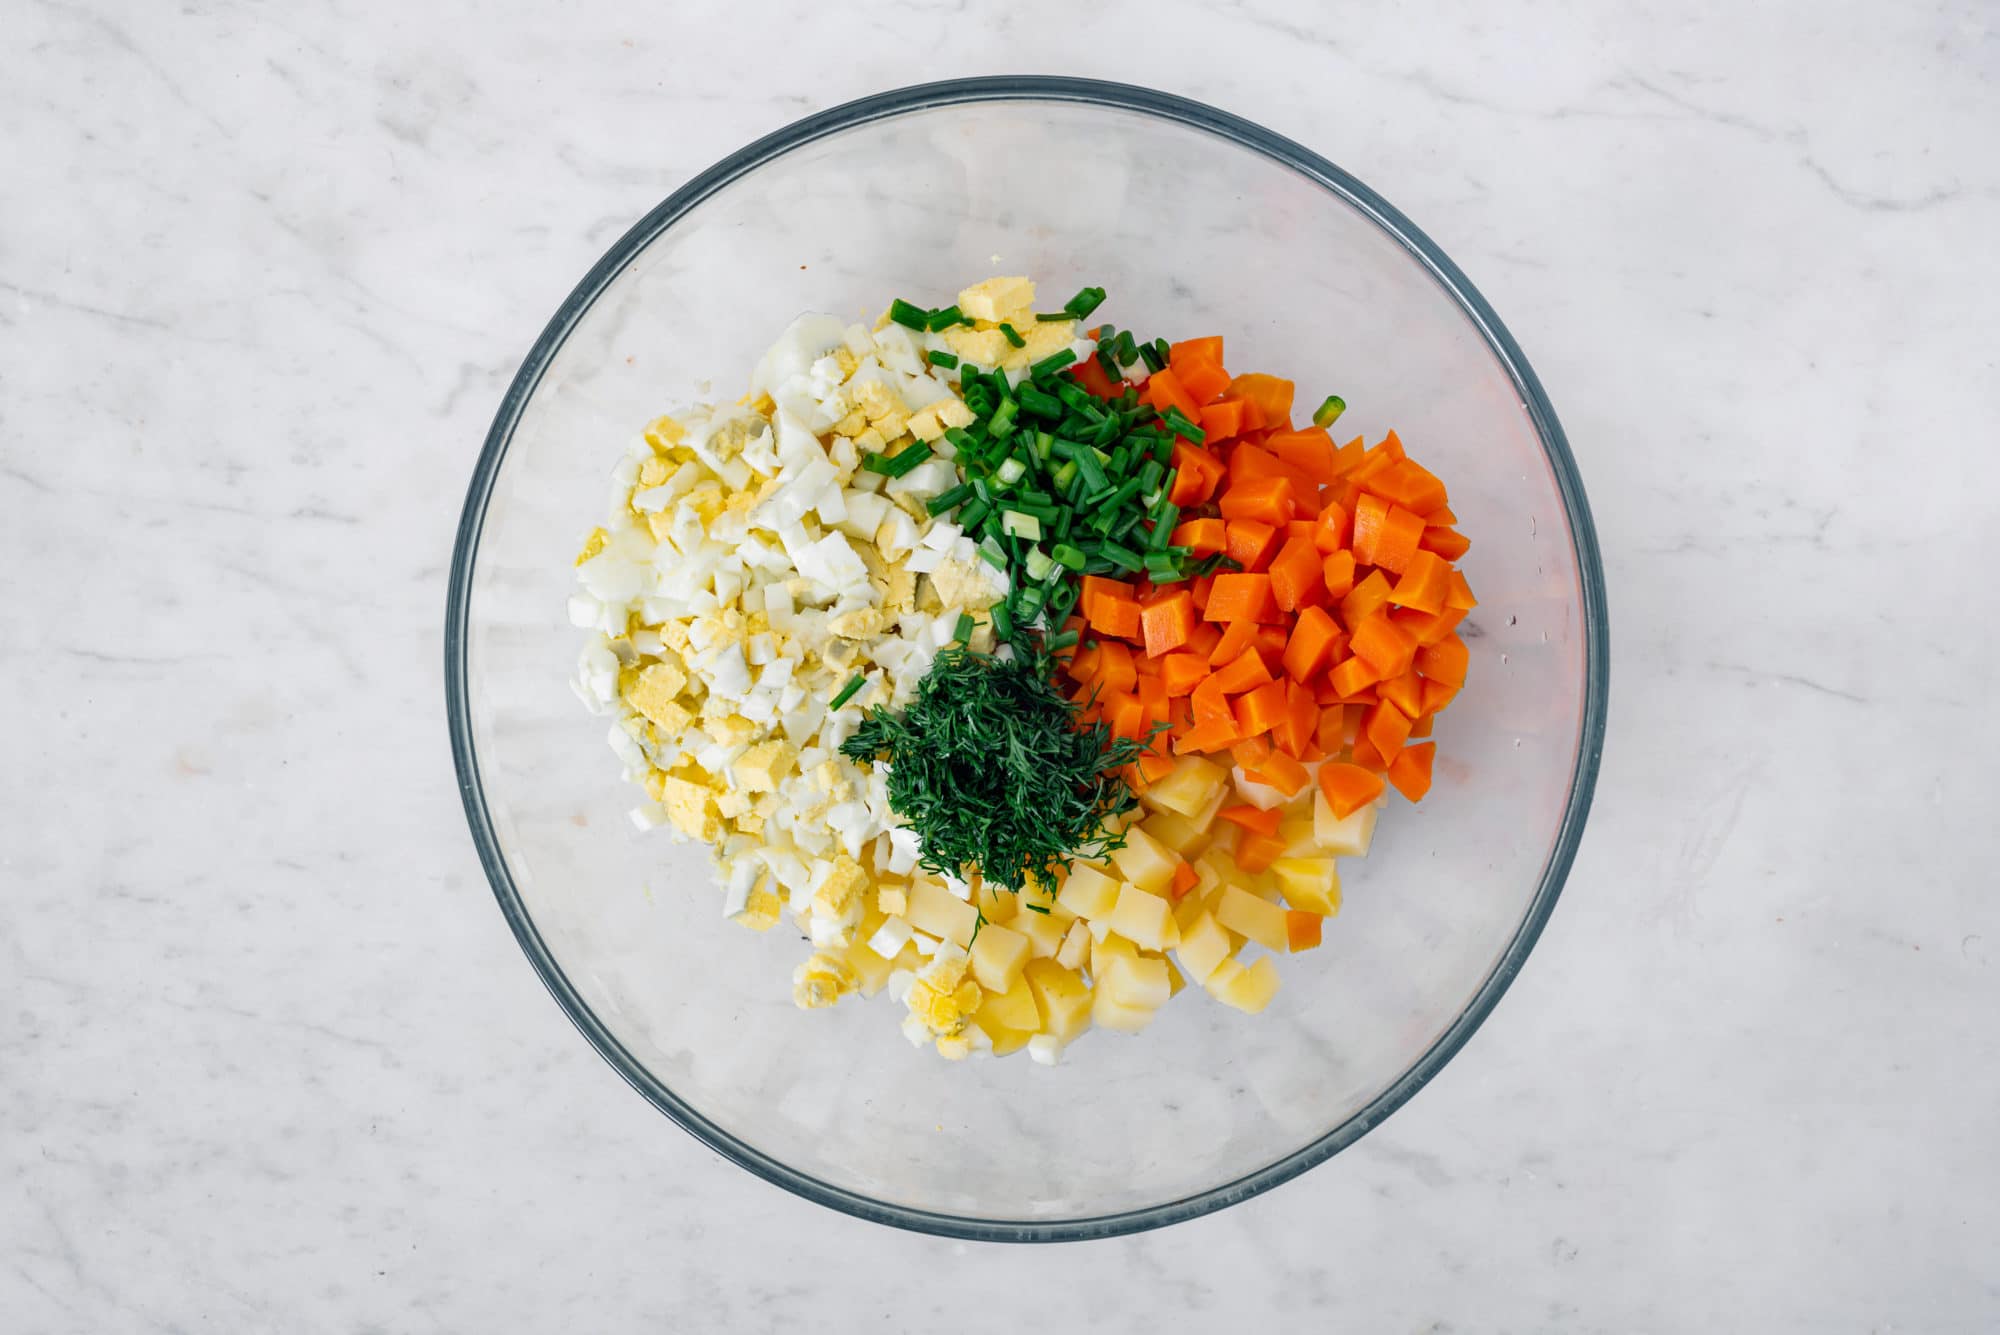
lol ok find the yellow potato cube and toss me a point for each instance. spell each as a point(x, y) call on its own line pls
point(1145, 862)
point(999, 298)
point(1296, 829)
point(1193, 786)
point(1005, 1041)
point(1175, 831)
point(1203, 948)
point(1311, 884)
point(1146, 920)
point(1044, 932)
point(1343, 838)
point(871, 969)
point(938, 911)
point(1249, 990)
point(1108, 1013)
point(1063, 996)
point(1088, 892)
point(997, 903)
point(997, 956)
point(1258, 919)
point(1012, 1007)
point(1140, 980)
point(1102, 954)
point(1075, 949)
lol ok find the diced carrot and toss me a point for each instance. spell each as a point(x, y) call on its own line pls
point(1197, 473)
point(1246, 671)
point(1299, 528)
point(1272, 500)
point(1185, 879)
point(1182, 672)
point(1164, 390)
point(1221, 420)
point(1201, 588)
point(1309, 451)
point(1203, 537)
point(1364, 599)
point(1348, 788)
point(1388, 728)
point(1258, 711)
point(1295, 577)
point(1302, 930)
point(1331, 730)
point(1437, 696)
point(1295, 733)
point(1442, 517)
point(1461, 593)
point(1371, 514)
point(1334, 529)
point(1410, 771)
point(1271, 394)
point(1095, 586)
point(1445, 661)
point(1312, 642)
point(1115, 614)
point(1446, 542)
point(1354, 673)
point(1207, 348)
point(1205, 636)
point(1422, 726)
point(1256, 852)
point(1250, 543)
point(1251, 752)
point(1349, 456)
point(1115, 670)
point(1364, 753)
point(1337, 573)
point(1410, 485)
point(1154, 766)
point(1167, 619)
point(1429, 629)
point(1281, 772)
point(1405, 691)
point(1123, 714)
point(1242, 596)
point(1092, 377)
point(1206, 736)
point(1397, 541)
point(1254, 819)
point(1270, 640)
point(1235, 638)
point(1209, 703)
point(1384, 644)
point(1147, 667)
point(1251, 462)
point(1203, 381)
point(1152, 693)
point(1425, 583)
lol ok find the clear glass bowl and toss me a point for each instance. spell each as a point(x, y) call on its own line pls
point(1196, 222)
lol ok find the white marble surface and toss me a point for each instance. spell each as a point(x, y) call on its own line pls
point(268, 1056)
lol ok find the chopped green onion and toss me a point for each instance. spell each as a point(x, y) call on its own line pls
point(962, 632)
point(945, 359)
point(946, 500)
point(1053, 317)
point(1002, 420)
point(1124, 349)
point(1164, 349)
point(970, 516)
point(1067, 556)
point(1039, 403)
point(1052, 363)
point(1003, 621)
point(896, 465)
point(1164, 567)
point(1151, 356)
point(1010, 471)
point(1183, 426)
point(1038, 563)
point(910, 317)
point(1084, 302)
point(942, 320)
point(1329, 412)
point(1019, 524)
point(848, 692)
point(1121, 556)
point(1011, 336)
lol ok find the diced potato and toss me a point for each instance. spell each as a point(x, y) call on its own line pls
point(1258, 919)
point(1139, 981)
point(1145, 862)
point(997, 956)
point(1175, 981)
point(1296, 829)
point(1075, 949)
point(1310, 884)
point(1005, 1041)
point(997, 903)
point(1192, 786)
point(1063, 997)
point(938, 911)
point(1261, 795)
point(870, 970)
point(1343, 838)
point(1146, 920)
point(1176, 831)
point(1013, 1008)
point(1225, 973)
point(1204, 946)
point(1044, 932)
point(1108, 948)
point(1088, 893)
point(1107, 1013)
point(1249, 990)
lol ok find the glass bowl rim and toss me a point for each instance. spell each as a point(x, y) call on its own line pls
point(1161, 106)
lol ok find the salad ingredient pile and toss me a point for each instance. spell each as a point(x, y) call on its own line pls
point(1034, 671)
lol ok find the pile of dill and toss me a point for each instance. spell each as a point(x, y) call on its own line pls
point(992, 769)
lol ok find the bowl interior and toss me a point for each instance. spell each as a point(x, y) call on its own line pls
point(1193, 232)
